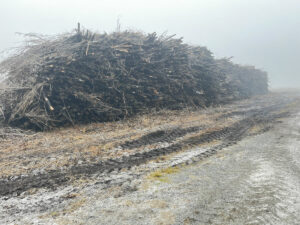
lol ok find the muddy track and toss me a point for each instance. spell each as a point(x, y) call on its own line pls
point(228, 136)
point(161, 136)
point(250, 112)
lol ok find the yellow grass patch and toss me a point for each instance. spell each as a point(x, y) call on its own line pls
point(161, 175)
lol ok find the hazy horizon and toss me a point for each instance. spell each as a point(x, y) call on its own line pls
point(262, 33)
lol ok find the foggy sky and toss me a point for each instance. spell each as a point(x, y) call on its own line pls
point(264, 33)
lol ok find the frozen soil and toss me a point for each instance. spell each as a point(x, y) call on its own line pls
point(235, 164)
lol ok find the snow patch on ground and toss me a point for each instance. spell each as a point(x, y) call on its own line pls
point(3, 76)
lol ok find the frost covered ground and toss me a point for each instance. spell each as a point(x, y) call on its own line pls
point(235, 164)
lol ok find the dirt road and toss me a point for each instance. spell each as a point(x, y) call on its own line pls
point(239, 164)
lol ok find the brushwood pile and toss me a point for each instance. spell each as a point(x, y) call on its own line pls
point(85, 77)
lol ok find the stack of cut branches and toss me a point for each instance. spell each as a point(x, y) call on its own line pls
point(243, 81)
point(85, 77)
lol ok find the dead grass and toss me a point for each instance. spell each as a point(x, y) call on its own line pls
point(166, 218)
point(157, 204)
point(161, 175)
point(72, 207)
point(64, 147)
point(256, 129)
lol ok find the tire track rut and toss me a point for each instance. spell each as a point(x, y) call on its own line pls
point(228, 136)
